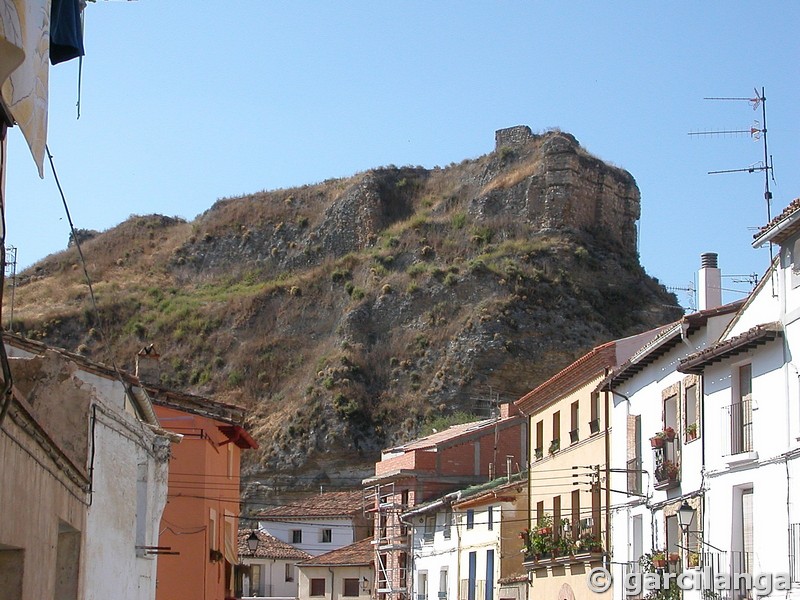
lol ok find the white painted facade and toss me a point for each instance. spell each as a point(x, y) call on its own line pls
point(115, 435)
point(479, 552)
point(650, 394)
point(271, 578)
point(128, 497)
point(434, 553)
point(740, 475)
point(317, 535)
point(752, 402)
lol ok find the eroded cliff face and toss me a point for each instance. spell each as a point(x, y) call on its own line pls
point(351, 314)
point(566, 189)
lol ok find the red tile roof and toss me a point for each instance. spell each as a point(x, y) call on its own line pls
point(357, 553)
point(755, 336)
point(269, 547)
point(328, 504)
point(771, 232)
point(452, 432)
point(583, 370)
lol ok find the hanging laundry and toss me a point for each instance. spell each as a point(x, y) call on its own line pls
point(66, 32)
point(25, 25)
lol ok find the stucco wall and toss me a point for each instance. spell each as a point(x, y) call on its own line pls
point(37, 500)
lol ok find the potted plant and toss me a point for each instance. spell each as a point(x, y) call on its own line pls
point(544, 526)
point(691, 431)
point(657, 441)
point(673, 557)
point(694, 559)
point(672, 469)
point(554, 446)
point(668, 470)
point(669, 434)
point(564, 546)
point(658, 560)
point(588, 543)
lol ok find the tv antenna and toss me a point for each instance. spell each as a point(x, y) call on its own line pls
point(690, 293)
point(758, 131)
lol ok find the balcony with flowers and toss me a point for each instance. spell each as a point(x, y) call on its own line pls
point(666, 462)
point(548, 546)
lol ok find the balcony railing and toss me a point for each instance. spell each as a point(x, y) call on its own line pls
point(667, 472)
point(739, 417)
point(726, 564)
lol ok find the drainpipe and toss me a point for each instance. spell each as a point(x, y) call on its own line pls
point(333, 580)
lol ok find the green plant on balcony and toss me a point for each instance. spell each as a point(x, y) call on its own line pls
point(563, 546)
point(667, 471)
point(694, 559)
point(554, 447)
point(652, 563)
point(659, 560)
point(691, 431)
point(539, 543)
point(588, 543)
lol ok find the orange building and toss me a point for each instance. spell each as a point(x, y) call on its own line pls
point(199, 527)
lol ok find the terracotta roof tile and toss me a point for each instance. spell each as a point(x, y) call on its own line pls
point(269, 547)
point(788, 212)
point(755, 336)
point(361, 552)
point(580, 372)
point(329, 504)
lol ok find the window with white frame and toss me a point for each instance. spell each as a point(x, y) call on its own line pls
point(422, 585)
point(326, 536)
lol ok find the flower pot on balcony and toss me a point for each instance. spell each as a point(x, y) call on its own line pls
point(673, 557)
point(656, 441)
point(669, 434)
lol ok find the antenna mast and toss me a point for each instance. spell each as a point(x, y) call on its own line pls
point(757, 131)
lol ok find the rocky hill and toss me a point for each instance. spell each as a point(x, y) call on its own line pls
point(352, 314)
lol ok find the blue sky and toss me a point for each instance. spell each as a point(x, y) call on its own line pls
point(183, 103)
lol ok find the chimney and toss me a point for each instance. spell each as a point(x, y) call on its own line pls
point(710, 282)
point(147, 365)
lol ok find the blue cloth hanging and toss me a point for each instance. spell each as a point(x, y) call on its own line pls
point(66, 33)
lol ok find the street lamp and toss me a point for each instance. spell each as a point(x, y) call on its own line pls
point(252, 542)
point(685, 517)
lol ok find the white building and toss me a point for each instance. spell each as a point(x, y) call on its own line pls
point(751, 521)
point(434, 550)
point(341, 574)
point(271, 568)
point(468, 545)
point(650, 479)
point(319, 523)
point(111, 431)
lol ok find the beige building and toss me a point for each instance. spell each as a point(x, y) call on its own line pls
point(40, 552)
point(567, 533)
